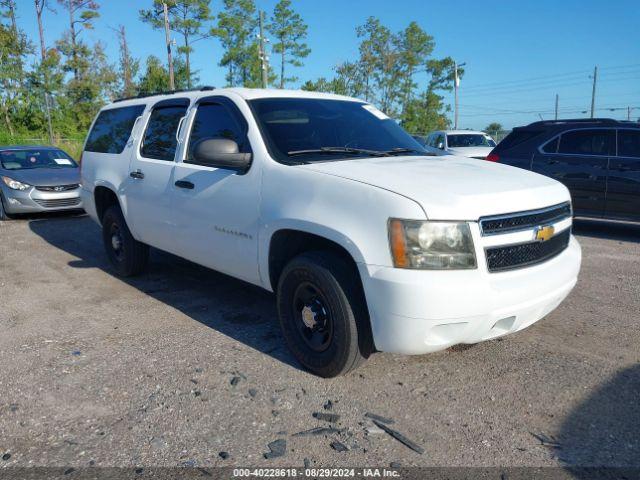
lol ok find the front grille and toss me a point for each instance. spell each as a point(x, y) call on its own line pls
point(512, 222)
point(58, 202)
point(58, 188)
point(526, 254)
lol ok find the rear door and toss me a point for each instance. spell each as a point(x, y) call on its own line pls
point(150, 182)
point(579, 159)
point(623, 182)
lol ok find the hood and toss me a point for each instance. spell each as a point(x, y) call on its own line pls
point(452, 188)
point(471, 151)
point(45, 176)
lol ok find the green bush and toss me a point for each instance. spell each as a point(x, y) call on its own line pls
point(71, 145)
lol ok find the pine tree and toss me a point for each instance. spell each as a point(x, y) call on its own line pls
point(289, 32)
point(187, 18)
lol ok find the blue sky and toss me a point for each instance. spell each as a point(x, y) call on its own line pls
point(518, 54)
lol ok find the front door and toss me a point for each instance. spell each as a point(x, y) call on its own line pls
point(579, 159)
point(216, 210)
point(623, 183)
point(150, 182)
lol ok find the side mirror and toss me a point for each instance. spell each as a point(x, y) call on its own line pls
point(441, 145)
point(220, 153)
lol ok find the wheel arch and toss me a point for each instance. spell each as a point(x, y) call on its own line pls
point(287, 243)
point(104, 197)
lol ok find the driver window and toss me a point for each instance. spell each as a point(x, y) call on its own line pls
point(214, 120)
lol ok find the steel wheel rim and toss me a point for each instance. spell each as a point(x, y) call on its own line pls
point(312, 317)
point(117, 243)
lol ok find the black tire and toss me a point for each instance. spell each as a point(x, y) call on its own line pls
point(3, 214)
point(129, 257)
point(325, 289)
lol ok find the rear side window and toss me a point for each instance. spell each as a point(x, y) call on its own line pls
point(159, 140)
point(585, 142)
point(112, 129)
point(552, 146)
point(214, 120)
point(629, 143)
point(518, 136)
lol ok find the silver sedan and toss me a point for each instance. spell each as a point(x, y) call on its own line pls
point(37, 179)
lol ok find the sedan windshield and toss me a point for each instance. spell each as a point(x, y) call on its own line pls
point(22, 159)
point(469, 140)
point(301, 130)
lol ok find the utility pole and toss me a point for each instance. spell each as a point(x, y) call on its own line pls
point(167, 36)
point(593, 92)
point(456, 84)
point(629, 113)
point(264, 60)
point(557, 106)
point(43, 54)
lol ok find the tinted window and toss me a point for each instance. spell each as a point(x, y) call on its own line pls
point(585, 142)
point(159, 140)
point(552, 146)
point(214, 120)
point(35, 158)
point(438, 141)
point(469, 140)
point(518, 136)
point(112, 129)
point(294, 125)
point(629, 143)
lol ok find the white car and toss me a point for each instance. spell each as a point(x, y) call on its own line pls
point(369, 243)
point(464, 143)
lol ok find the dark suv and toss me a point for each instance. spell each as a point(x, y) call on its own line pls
point(597, 159)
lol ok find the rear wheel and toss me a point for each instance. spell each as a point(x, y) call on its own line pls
point(127, 255)
point(323, 314)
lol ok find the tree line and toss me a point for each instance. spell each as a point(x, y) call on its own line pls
point(56, 89)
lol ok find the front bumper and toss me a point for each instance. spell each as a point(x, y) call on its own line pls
point(33, 200)
point(418, 311)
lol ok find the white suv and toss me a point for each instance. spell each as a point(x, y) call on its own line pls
point(465, 143)
point(370, 242)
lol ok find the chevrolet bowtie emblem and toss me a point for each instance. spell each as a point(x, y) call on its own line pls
point(542, 234)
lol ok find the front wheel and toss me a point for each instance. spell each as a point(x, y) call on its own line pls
point(127, 255)
point(323, 313)
point(3, 213)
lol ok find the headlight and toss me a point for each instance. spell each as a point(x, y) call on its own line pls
point(14, 184)
point(431, 245)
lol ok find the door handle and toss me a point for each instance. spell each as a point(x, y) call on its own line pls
point(185, 184)
point(137, 174)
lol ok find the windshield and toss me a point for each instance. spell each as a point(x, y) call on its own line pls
point(309, 129)
point(469, 140)
point(23, 159)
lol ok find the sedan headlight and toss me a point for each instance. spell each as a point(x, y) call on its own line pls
point(431, 245)
point(14, 184)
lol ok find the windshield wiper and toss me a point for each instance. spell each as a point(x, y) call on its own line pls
point(402, 150)
point(339, 150)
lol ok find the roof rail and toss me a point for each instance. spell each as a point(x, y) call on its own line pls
point(606, 121)
point(205, 88)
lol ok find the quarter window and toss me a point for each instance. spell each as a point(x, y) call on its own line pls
point(629, 143)
point(214, 120)
point(585, 142)
point(552, 146)
point(112, 129)
point(160, 137)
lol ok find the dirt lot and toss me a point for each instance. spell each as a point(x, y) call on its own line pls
point(182, 363)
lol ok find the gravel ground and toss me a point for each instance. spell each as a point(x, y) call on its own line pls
point(178, 365)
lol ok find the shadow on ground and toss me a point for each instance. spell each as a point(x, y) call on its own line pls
point(604, 430)
point(627, 232)
point(237, 309)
